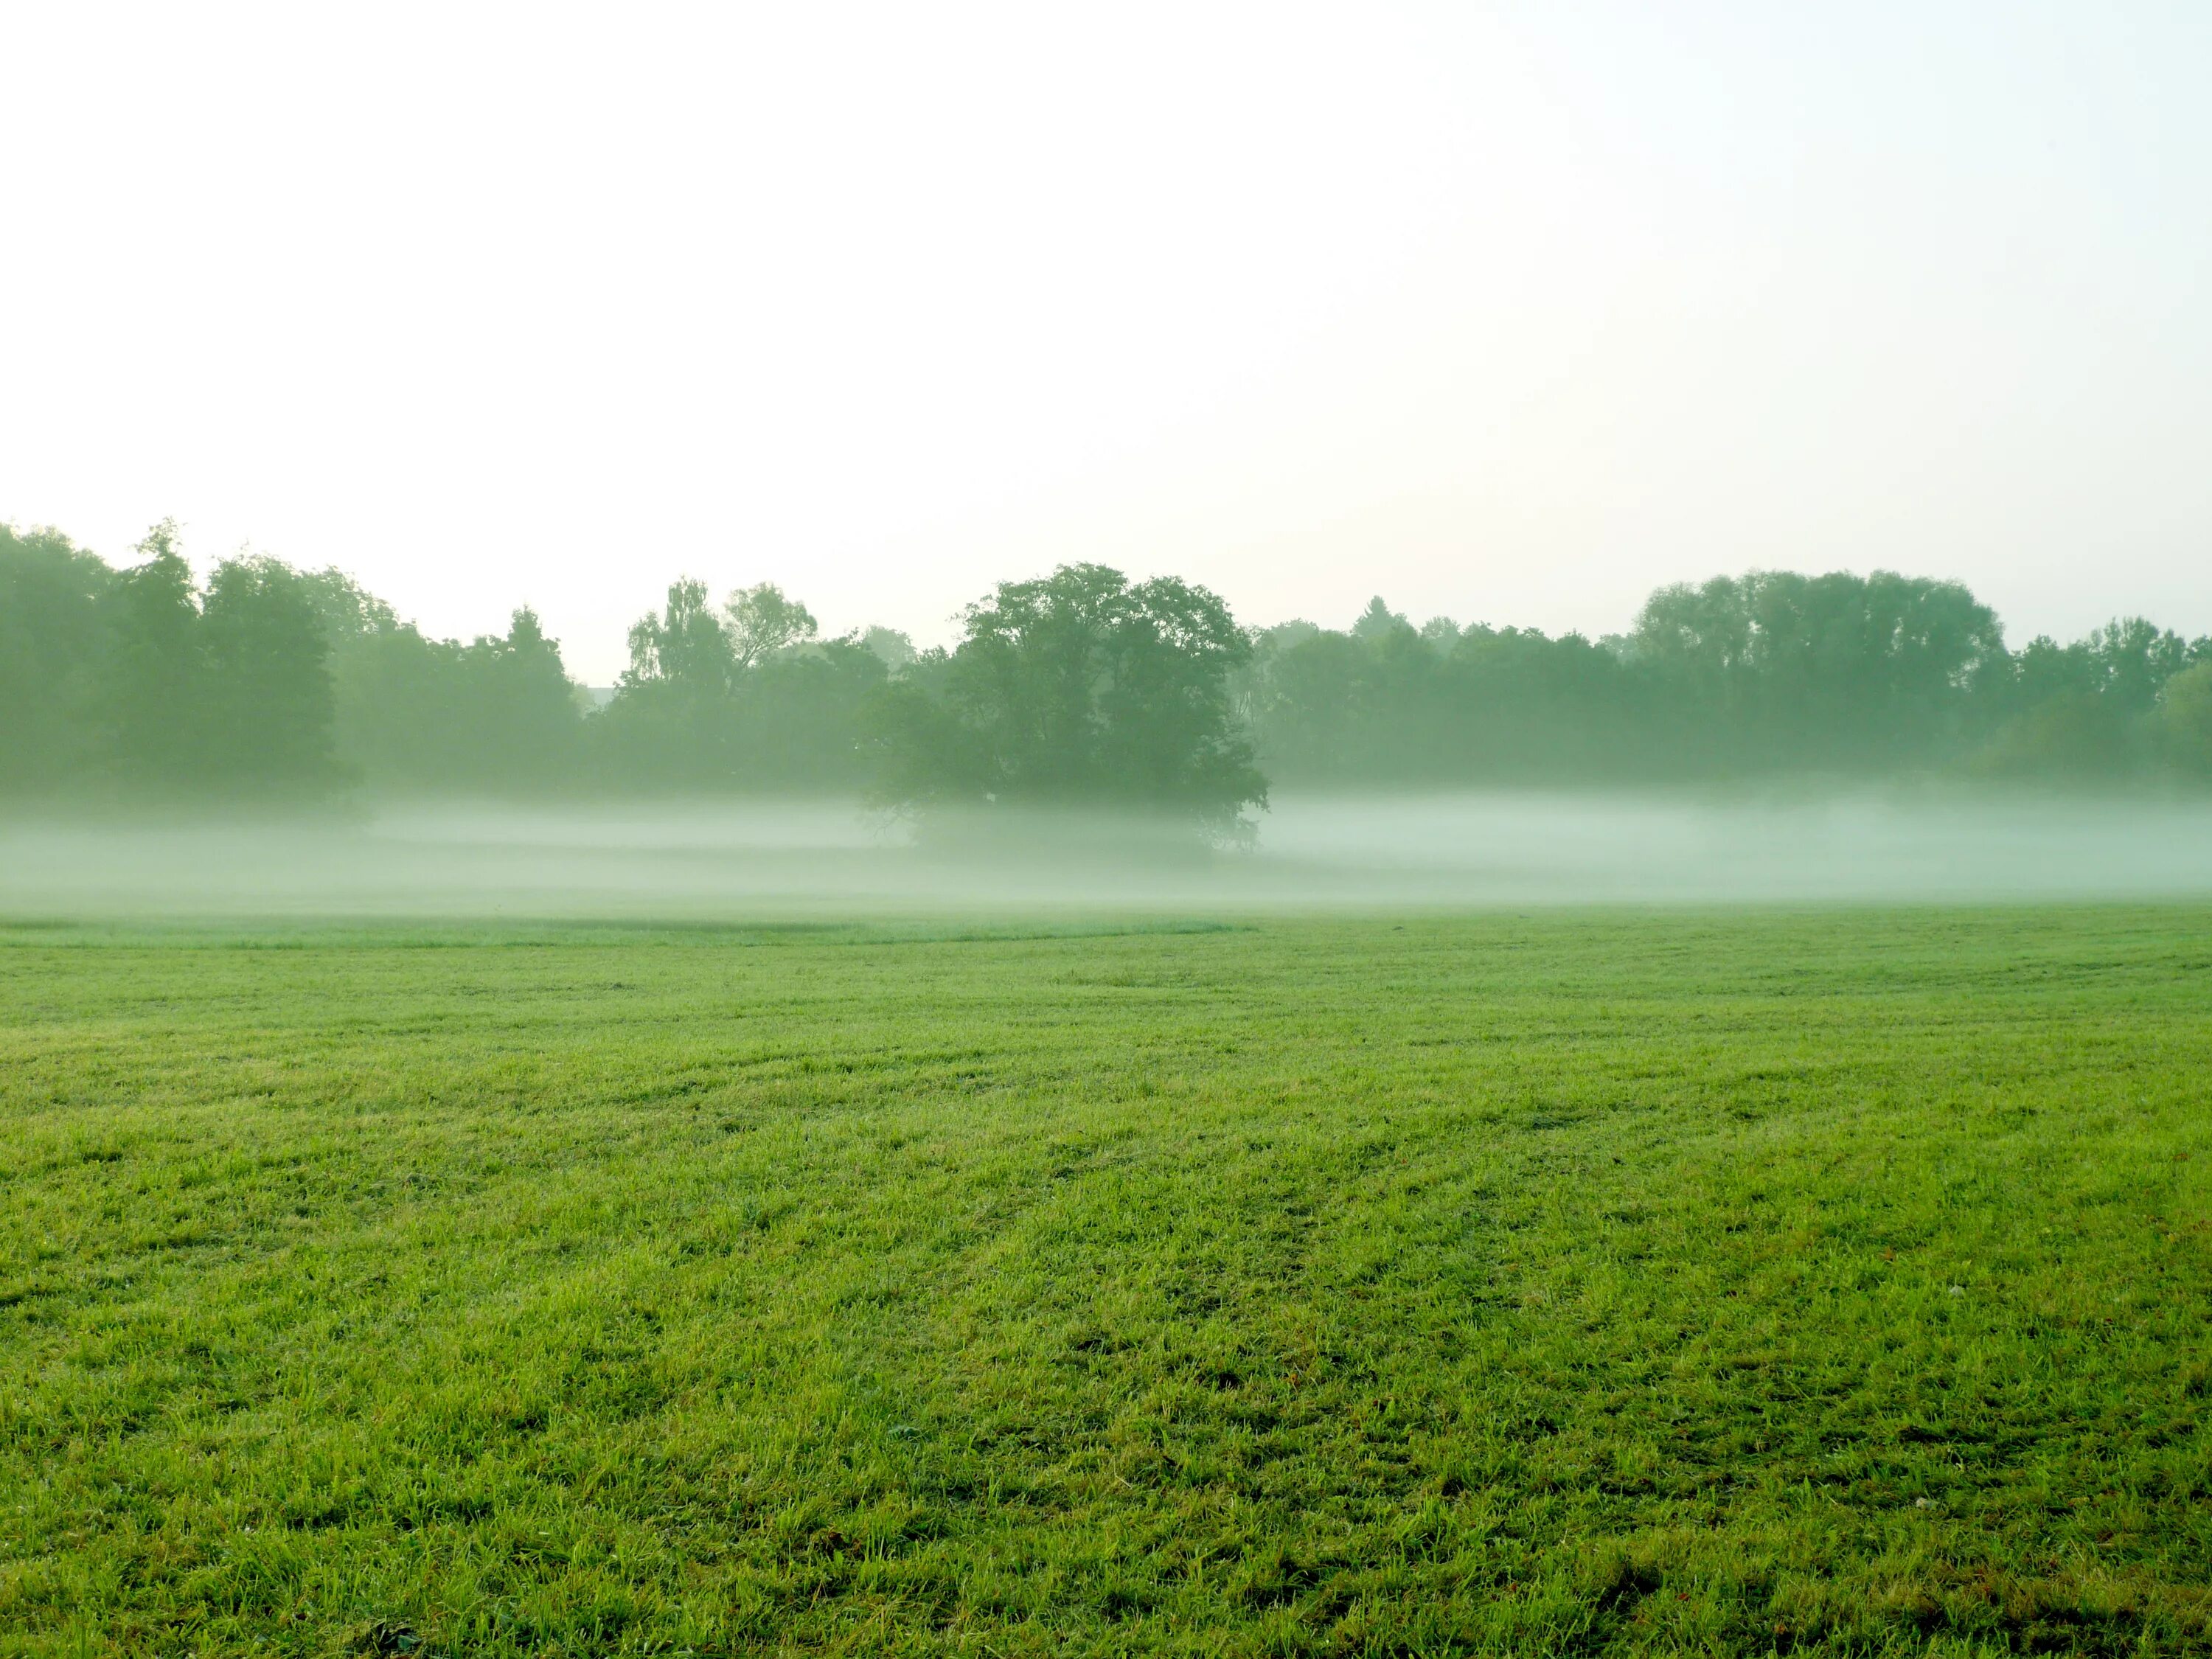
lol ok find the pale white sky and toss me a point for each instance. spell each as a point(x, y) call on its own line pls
point(1507, 311)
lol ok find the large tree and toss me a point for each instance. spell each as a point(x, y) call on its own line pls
point(497, 714)
point(1776, 669)
point(155, 680)
point(53, 639)
point(745, 699)
point(1081, 688)
point(269, 704)
point(760, 622)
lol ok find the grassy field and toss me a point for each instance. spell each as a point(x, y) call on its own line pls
point(1580, 1282)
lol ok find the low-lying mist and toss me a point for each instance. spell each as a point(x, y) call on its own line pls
point(710, 861)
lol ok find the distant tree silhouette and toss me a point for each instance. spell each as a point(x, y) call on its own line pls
point(155, 678)
point(1379, 622)
point(686, 647)
point(1079, 688)
point(761, 621)
point(1842, 671)
point(2087, 710)
point(891, 647)
point(53, 642)
point(742, 700)
point(2185, 720)
point(269, 704)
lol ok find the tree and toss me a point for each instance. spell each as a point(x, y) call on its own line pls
point(727, 701)
point(1079, 688)
point(270, 706)
point(1776, 669)
point(1440, 635)
point(1312, 703)
point(522, 704)
point(52, 638)
point(2133, 658)
point(1379, 622)
point(155, 675)
point(684, 646)
point(891, 647)
point(797, 719)
point(762, 622)
point(348, 610)
point(1440, 704)
point(2185, 719)
point(2095, 708)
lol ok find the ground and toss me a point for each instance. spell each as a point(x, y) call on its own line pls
point(1589, 1282)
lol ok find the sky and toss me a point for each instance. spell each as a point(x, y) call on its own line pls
point(1508, 312)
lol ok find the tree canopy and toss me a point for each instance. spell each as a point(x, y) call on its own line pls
point(1078, 689)
point(742, 698)
point(1081, 688)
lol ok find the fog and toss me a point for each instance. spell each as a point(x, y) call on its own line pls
point(710, 861)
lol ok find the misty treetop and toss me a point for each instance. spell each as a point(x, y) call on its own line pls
point(137, 678)
point(740, 697)
point(1768, 673)
point(1079, 687)
point(414, 713)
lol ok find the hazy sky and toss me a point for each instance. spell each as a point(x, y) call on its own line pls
point(1506, 312)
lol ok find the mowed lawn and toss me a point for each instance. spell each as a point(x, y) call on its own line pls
point(1576, 1282)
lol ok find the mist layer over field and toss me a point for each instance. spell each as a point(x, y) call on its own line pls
point(722, 860)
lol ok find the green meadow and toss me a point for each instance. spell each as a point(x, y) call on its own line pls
point(1581, 1282)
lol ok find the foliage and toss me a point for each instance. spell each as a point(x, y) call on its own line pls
point(154, 676)
point(270, 682)
point(761, 622)
point(2087, 710)
point(54, 603)
point(1870, 672)
point(1585, 1283)
point(1395, 705)
point(891, 644)
point(740, 701)
point(496, 714)
point(1079, 688)
point(2185, 719)
point(1765, 674)
point(268, 705)
point(686, 647)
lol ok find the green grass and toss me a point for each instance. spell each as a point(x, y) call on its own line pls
point(1590, 1282)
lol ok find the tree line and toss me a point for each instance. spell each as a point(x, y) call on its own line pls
point(1767, 673)
point(1082, 687)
